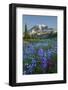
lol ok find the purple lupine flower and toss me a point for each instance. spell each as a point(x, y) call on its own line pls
point(41, 52)
point(24, 72)
point(45, 54)
point(49, 53)
point(33, 62)
point(29, 50)
point(30, 69)
point(26, 67)
point(44, 62)
point(25, 56)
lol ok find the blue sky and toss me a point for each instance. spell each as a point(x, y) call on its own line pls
point(31, 20)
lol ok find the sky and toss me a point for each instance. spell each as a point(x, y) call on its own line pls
point(31, 20)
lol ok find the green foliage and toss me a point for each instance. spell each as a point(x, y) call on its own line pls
point(38, 70)
point(52, 35)
point(26, 34)
point(53, 69)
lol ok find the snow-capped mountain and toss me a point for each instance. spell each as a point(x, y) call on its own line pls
point(40, 30)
